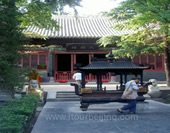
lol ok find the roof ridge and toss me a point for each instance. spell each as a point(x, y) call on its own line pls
point(86, 17)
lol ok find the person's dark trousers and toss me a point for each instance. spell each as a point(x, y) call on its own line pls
point(131, 106)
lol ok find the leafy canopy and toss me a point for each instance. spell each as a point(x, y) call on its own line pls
point(147, 22)
point(15, 15)
point(40, 12)
point(11, 41)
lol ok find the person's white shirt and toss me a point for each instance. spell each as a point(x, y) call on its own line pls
point(133, 86)
point(77, 76)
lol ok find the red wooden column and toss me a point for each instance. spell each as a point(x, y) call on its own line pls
point(51, 66)
point(47, 61)
point(56, 60)
point(55, 71)
point(140, 60)
point(162, 63)
point(72, 62)
point(30, 59)
point(155, 62)
point(147, 59)
point(38, 59)
point(90, 56)
point(74, 55)
point(90, 75)
point(163, 66)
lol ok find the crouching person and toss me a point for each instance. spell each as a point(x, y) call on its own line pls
point(130, 93)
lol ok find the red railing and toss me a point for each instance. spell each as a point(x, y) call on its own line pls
point(67, 75)
point(60, 75)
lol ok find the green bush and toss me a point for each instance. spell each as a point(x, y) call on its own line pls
point(16, 113)
point(41, 66)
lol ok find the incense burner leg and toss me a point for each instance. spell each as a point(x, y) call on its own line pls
point(84, 106)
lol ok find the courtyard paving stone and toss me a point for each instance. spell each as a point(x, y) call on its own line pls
point(66, 117)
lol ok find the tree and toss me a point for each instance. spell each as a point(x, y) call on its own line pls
point(16, 15)
point(147, 22)
point(40, 12)
point(11, 40)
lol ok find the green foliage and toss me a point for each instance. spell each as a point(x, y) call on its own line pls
point(17, 14)
point(15, 114)
point(41, 66)
point(11, 41)
point(147, 22)
point(138, 13)
point(109, 40)
point(39, 12)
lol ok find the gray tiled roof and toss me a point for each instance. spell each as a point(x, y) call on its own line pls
point(81, 27)
point(104, 65)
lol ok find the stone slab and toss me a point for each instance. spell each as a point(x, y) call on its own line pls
point(66, 117)
point(68, 99)
point(67, 96)
point(51, 95)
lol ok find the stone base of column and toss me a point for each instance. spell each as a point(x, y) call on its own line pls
point(113, 79)
point(51, 79)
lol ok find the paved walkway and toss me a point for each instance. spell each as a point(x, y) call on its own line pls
point(66, 117)
point(66, 87)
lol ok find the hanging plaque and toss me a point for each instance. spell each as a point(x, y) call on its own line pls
point(82, 47)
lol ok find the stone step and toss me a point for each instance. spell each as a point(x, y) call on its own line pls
point(63, 99)
point(67, 99)
point(51, 95)
point(66, 92)
point(66, 96)
point(62, 96)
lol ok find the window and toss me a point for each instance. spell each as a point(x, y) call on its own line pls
point(136, 60)
point(26, 61)
point(144, 60)
point(34, 60)
point(158, 61)
point(151, 61)
point(42, 59)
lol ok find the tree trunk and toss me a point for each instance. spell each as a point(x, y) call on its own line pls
point(167, 63)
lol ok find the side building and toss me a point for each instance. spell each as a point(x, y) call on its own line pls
point(75, 43)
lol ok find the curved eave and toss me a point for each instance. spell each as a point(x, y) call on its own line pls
point(82, 27)
point(70, 37)
point(117, 65)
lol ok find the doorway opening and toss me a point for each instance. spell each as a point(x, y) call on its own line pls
point(82, 59)
point(64, 62)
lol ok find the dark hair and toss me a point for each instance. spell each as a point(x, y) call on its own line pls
point(135, 78)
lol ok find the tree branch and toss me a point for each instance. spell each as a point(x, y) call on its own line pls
point(152, 2)
point(141, 2)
